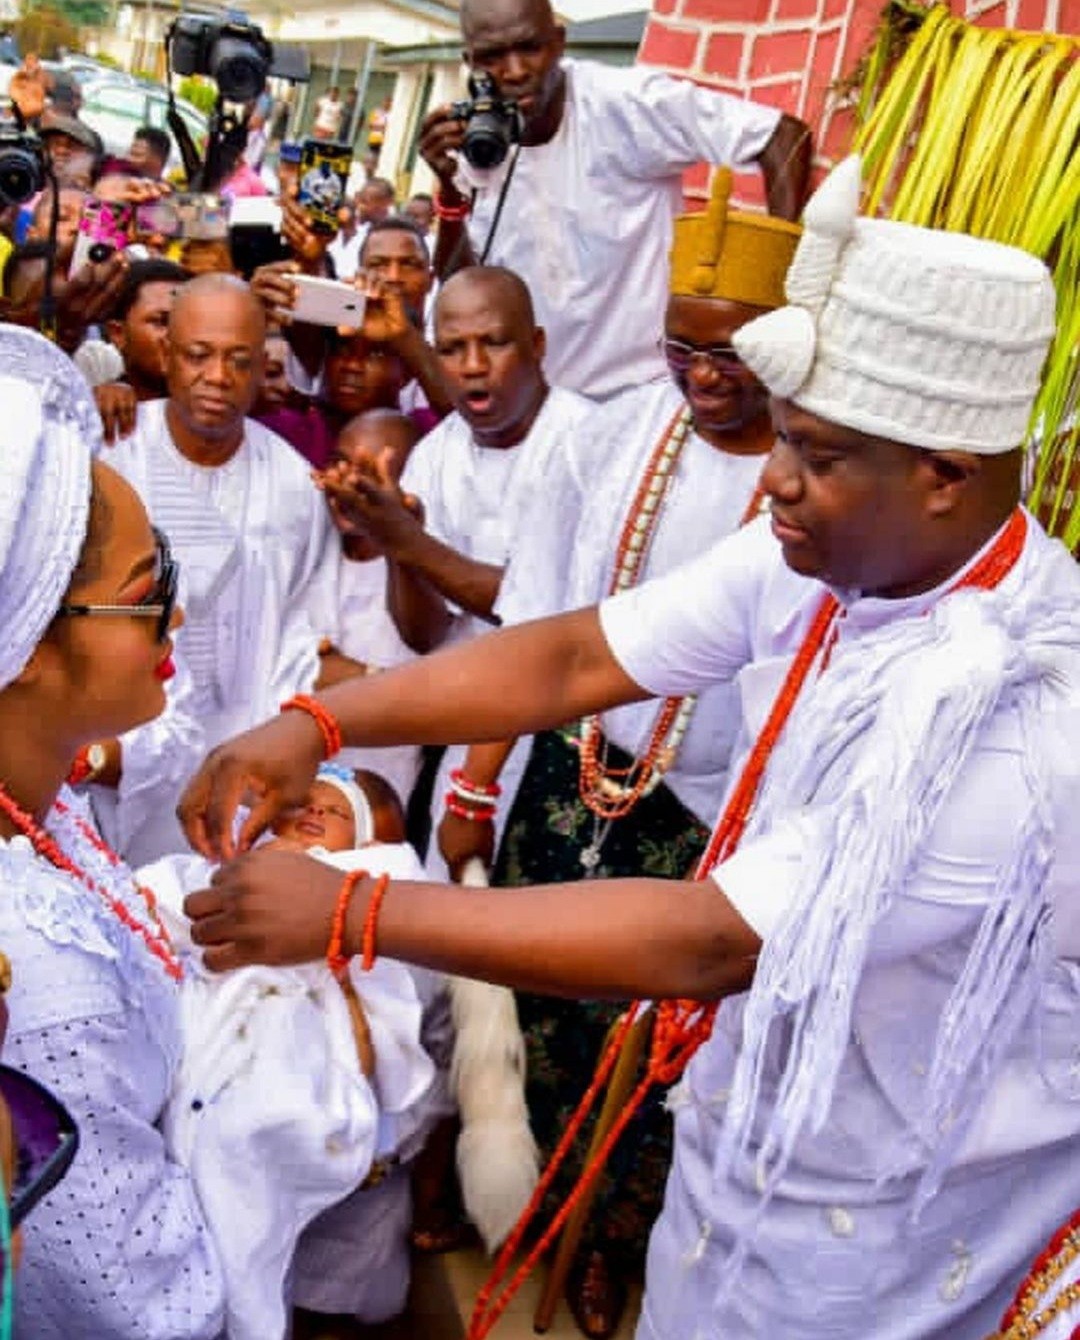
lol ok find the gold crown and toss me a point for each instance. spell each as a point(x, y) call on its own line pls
point(719, 253)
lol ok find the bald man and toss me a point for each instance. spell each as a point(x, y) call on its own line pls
point(477, 473)
point(240, 510)
point(591, 195)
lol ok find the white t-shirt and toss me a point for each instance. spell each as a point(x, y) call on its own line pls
point(328, 114)
point(588, 216)
point(835, 1252)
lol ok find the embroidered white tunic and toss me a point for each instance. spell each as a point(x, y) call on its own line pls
point(481, 501)
point(249, 536)
point(569, 560)
point(588, 216)
point(835, 1251)
point(120, 1248)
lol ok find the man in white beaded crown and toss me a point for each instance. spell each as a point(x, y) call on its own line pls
point(653, 478)
point(878, 1127)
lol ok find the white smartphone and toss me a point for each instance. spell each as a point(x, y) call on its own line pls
point(327, 302)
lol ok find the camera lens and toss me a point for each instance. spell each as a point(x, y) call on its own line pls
point(486, 141)
point(20, 176)
point(238, 68)
point(100, 251)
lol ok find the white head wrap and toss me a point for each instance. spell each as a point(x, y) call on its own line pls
point(925, 337)
point(334, 774)
point(50, 430)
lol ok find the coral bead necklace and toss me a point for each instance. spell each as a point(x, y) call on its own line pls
point(154, 936)
point(611, 793)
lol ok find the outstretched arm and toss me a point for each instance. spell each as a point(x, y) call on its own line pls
point(508, 683)
point(619, 939)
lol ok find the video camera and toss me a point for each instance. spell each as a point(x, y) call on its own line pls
point(234, 53)
point(239, 58)
point(492, 123)
point(22, 159)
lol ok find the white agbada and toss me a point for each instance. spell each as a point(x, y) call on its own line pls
point(347, 604)
point(250, 536)
point(481, 501)
point(270, 1109)
point(569, 562)
point(836, 1250)
point(588, 216)
point(120, 1248)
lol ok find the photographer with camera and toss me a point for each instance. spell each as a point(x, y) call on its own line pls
point(569, 172)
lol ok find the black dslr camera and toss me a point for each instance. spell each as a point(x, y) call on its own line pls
point(234, 54)
point(492, 123)
point(22, 159)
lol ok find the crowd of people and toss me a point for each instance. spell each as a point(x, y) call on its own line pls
point(669, 567)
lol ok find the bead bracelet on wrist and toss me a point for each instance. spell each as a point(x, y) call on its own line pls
point(477, 814)
point(323, 718)
point(451, 213)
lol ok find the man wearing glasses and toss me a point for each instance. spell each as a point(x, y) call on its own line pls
point(654, 478)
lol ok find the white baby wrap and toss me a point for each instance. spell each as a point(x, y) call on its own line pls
point(270, 1111)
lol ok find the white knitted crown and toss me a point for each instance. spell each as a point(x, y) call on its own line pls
point(931, 338)
point(50, 429)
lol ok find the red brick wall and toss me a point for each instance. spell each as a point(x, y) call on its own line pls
point(790, 52)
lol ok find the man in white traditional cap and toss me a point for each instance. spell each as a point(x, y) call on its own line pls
point(879, 1127)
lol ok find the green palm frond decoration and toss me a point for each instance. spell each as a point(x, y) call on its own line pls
point(978, 130)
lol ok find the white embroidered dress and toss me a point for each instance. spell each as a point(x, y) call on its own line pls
point(910, 1039)
point(119, 1249)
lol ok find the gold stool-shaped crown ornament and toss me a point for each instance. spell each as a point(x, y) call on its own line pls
point(722, 253)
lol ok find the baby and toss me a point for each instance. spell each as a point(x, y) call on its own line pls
point(294, 1088)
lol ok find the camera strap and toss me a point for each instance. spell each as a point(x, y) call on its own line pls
point(503, 190)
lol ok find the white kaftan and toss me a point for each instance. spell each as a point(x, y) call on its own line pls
point(569, 562)
point(481, 501)
point(837, 1249)
point(588, 216)
point(347, 604)
point(270, 1109)
point(250, 536)
point(120, 1248)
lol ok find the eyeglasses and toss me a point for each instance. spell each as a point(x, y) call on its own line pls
point(680, 354)
point(46, 1139)
point(159, 602)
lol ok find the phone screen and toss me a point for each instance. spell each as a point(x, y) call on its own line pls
point(103, 229)
point(324, 171)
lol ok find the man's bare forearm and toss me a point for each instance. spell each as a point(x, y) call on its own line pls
point(471, 585)
point(521, 679)
point(418, 610)
point(603, 939)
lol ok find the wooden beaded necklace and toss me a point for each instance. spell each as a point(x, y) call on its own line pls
point(682, 1026)
point(611, 793)
point(155, 936)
